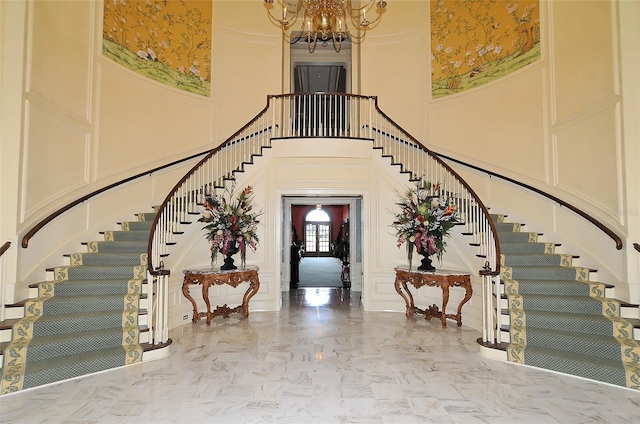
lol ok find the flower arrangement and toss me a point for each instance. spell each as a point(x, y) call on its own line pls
point(425, 218)
point(231, 223)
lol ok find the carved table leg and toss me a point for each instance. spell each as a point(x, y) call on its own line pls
point(254, 286)
point(467, 295)
point(445, 300)
point(205, 296)
point(185, 292)
point(407, 300)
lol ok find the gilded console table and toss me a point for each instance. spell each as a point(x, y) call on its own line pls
point(214, 276)
point(439, 278)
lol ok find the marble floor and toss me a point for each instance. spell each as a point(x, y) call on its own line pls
point(321, 359)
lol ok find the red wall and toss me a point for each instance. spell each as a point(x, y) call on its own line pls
point(338, 214)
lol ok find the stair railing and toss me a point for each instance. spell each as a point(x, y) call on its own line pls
point(3, 260)
point(615, 237)
point(319, 115)
point(207, 176)
point(422, 164)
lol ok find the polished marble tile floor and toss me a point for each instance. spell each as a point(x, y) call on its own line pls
point(321, 359)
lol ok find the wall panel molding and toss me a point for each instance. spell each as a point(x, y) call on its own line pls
point(587, 157)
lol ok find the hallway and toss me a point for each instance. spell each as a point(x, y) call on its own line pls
point(323, 360)
point(320, 272)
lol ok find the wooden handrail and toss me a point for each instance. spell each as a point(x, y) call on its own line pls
point(436, 157)
point(150, 266)
point(636, 246)
point(5, 247)
point(561, 202)
point(48, 219)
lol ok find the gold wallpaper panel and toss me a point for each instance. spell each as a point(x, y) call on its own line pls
point(474, 42)
point(166, 40)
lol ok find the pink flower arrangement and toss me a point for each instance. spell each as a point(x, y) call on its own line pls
point(425, 218)
point(231, 222)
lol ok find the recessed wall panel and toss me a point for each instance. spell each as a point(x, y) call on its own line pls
point(55, 159)
point(310, 170)
point(142, 122)
point(252, 72)
point(500, 125)
point(394, 64)
point(398, 89)
point(586, 156)
point(60, 55)
point(583, 54)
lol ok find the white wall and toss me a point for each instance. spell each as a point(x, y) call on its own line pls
point(324, 168)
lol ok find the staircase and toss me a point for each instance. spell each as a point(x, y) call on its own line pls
point(89, 317)
point(557, 319)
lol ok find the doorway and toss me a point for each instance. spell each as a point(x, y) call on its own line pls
point(327, 251)
point(319, 78)
point(318, 265)
point(323, 71)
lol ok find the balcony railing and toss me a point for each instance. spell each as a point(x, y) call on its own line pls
point(320, 115)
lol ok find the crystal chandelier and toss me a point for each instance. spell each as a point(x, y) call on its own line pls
point(325, 20)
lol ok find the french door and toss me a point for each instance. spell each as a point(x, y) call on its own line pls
point(316, 239)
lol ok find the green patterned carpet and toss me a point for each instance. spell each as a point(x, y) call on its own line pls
point(559, 319)
point(85, 320)
point(320, 272)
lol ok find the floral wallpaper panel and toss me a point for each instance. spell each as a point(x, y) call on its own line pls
point(166, 40)
point(474, 42)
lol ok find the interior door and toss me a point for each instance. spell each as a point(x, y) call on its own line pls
point(317, 239)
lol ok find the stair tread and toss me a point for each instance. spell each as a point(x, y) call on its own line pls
point(101, 281)
point(81, 297)
point(42, 340)
point(563, 297)
point(575, 334)
point(560, 315)
point(94, 318)
point(63, 317)
point(8, 323)
point(575, 356)
point(35, 366)
point(528, 280)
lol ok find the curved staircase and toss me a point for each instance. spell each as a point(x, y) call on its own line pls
point(92, 314)
point(557, 318)
point(89, 317)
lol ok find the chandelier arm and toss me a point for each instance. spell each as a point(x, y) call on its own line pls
point(289, 18)
point(361, 8)
point(325, 19)
point(337, 44)
point(312, 40)
point(358, 15)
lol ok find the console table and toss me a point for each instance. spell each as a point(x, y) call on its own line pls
point(439, 278)
point(214, 276)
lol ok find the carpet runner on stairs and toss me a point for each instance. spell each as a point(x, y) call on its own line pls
point(86, 319)
point(559, 319)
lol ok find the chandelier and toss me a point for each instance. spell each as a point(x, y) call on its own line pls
point(325, 20)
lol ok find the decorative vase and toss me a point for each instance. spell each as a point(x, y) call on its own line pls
point(228, 260)
point(425, 264)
